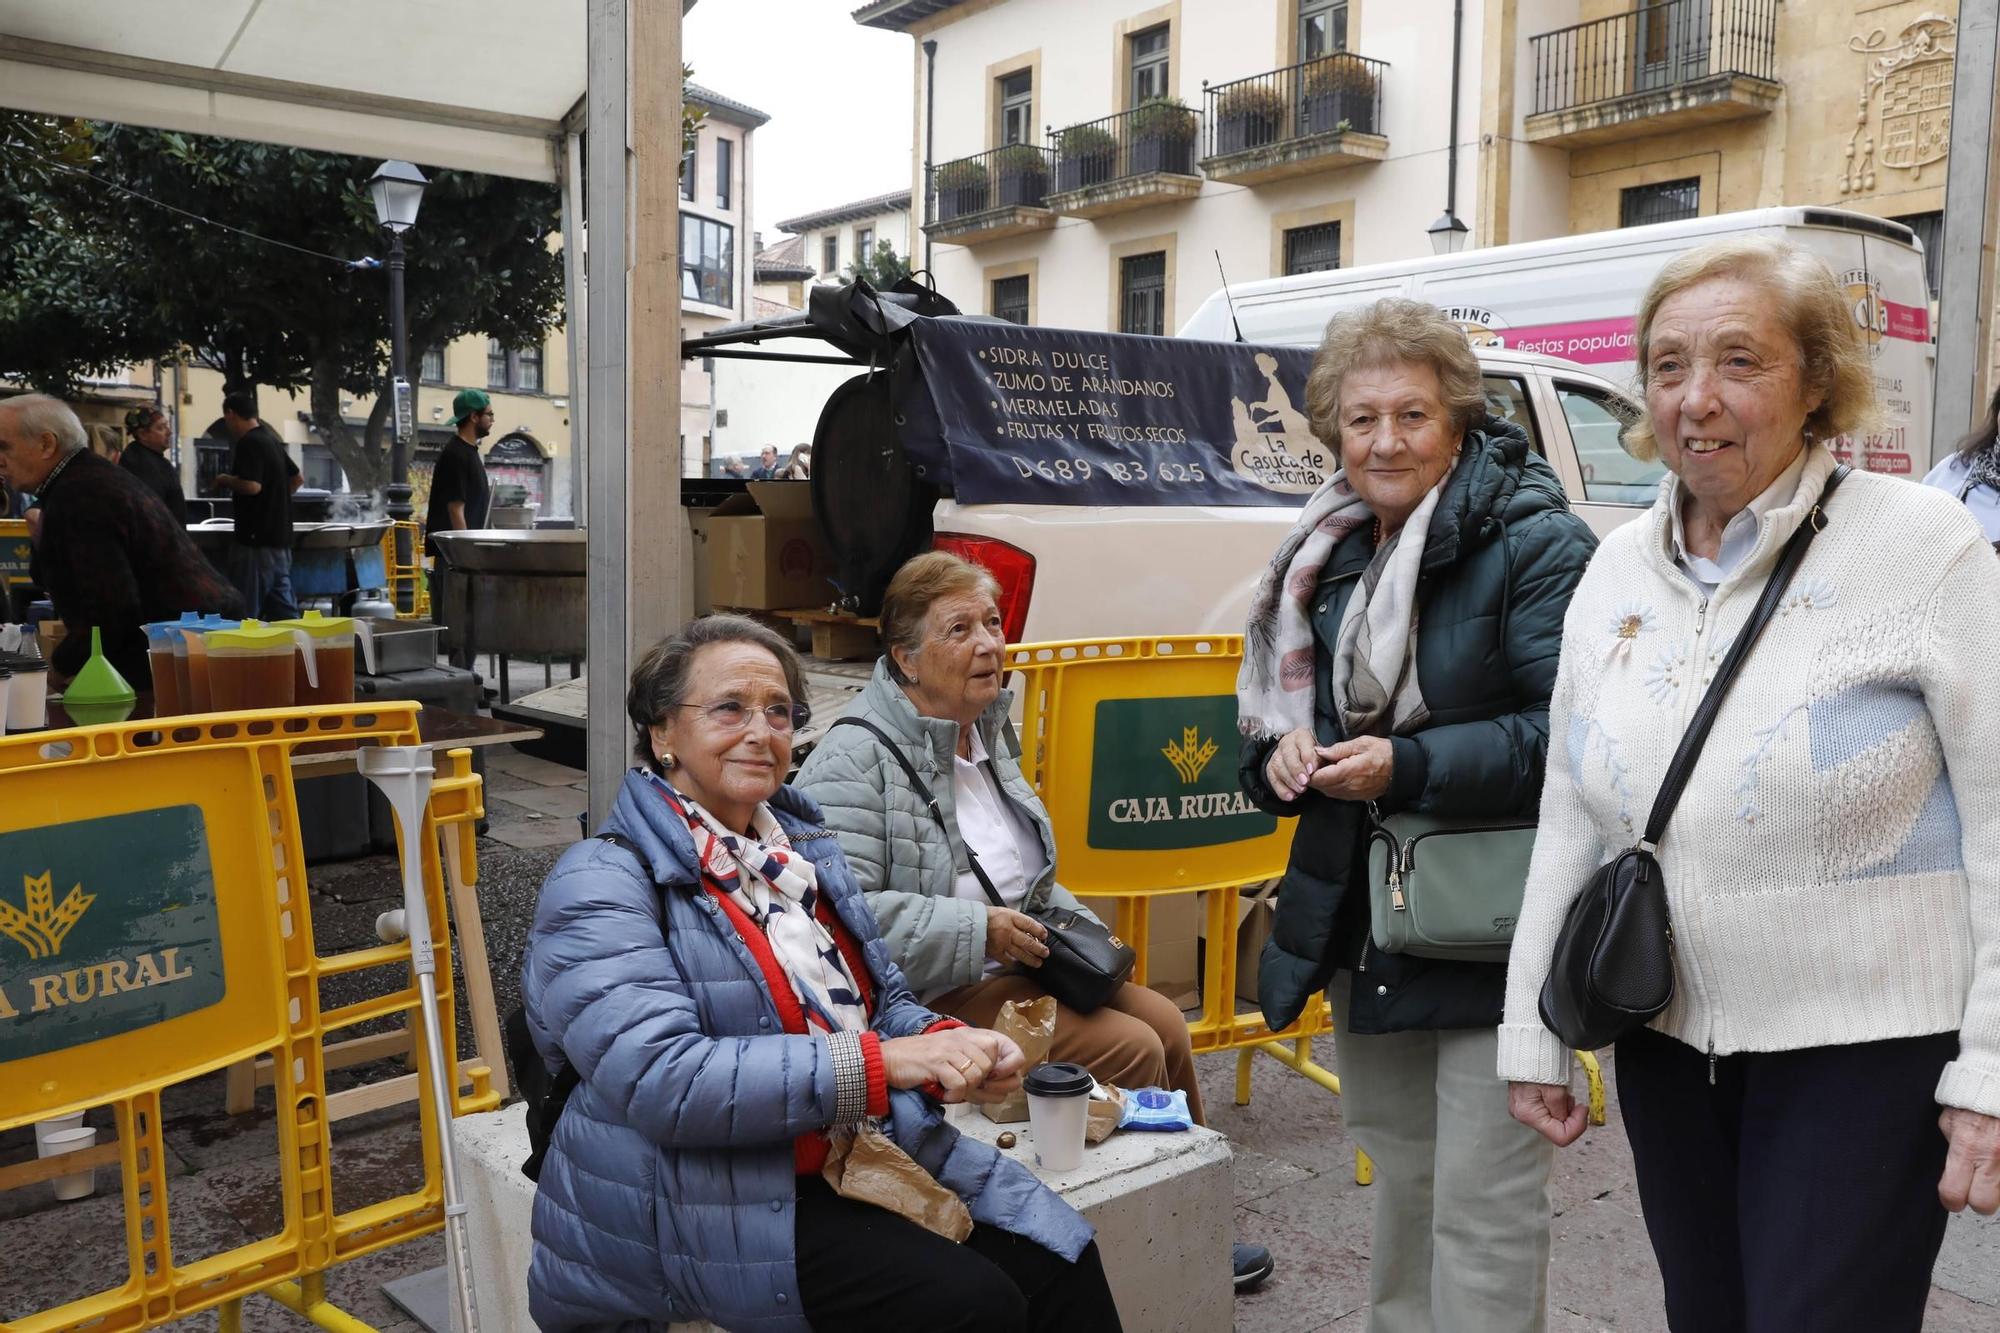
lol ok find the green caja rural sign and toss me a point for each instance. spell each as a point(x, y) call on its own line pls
point(1163, 776)
point(106, 926)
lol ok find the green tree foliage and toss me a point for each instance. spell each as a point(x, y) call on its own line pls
point(883, 269)
point(92, 276)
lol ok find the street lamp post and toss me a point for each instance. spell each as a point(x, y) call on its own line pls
point(398, 191)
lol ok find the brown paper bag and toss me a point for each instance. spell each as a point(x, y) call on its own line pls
point(1104, 1113)
point(865, 1165)
point(1032, 1025)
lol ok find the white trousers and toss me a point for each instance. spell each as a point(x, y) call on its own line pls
point(1461, 1187)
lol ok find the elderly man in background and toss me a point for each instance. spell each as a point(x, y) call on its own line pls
point(109, 553)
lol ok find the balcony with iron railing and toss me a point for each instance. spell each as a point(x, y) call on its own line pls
point(1134, 159)
point(1659, 69)
point(991, 196)
point(1318, 115)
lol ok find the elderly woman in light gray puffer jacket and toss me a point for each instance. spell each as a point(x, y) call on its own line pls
point(937, 694)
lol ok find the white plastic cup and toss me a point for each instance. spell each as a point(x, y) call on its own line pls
point(1058, 1113)
point(28, 698)
point(44, 1128)
point(78, 1184)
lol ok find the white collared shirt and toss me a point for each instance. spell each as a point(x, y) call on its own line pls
point(1008, 846)
point(1739, 534)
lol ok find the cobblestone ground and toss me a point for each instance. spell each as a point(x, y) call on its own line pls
point(1295, 1190)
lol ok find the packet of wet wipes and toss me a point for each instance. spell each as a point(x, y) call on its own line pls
point(1155, 1109)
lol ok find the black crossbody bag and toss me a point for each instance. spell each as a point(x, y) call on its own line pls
point(1614, 963)
point(1086, 963)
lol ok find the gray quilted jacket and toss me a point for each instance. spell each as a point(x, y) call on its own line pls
point(668, 1192)
point(907, 865)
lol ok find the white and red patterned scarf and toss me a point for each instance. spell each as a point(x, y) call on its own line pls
point(778, 889)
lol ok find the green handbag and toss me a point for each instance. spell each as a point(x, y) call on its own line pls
point(1447, 888)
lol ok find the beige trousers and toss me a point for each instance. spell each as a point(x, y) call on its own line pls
point(1461, 1187)
point(1137, 1040)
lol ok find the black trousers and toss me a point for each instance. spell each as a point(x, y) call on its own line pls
point(864, 1269)
point(1797, 1193)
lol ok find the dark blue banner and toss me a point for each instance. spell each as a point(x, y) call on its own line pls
point(1004, 413)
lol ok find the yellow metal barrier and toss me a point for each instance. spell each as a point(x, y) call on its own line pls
point(1132, 745)
point(407, 583)
point(163, 931)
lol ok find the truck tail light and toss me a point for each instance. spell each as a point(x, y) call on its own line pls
point(1013, 567)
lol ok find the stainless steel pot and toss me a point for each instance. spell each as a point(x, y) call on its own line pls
point(512, 592)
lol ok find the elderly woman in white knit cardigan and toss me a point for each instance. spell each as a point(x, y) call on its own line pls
point(1833, 870)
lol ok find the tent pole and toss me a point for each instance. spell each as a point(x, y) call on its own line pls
point(1965, 335)
point(639, 542)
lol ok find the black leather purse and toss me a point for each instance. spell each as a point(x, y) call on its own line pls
point(1086, 962)
point(1614, 962)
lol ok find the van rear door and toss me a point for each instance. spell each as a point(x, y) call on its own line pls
point(1889, 299)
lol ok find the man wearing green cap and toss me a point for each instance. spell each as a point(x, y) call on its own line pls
point(459, 491)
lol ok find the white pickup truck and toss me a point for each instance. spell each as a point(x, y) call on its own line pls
point(1100, 571)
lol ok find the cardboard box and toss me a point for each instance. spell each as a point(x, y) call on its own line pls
point(765, 550)
point(49, 635)
point(1172, 968)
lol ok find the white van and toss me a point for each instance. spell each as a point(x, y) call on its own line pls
point(1574, 297)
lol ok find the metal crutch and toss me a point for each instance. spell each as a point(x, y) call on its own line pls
point(402, 773)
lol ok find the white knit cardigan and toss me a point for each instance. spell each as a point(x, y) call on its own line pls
point(1833, 868)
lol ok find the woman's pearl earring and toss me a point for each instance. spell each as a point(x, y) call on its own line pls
point(666, 759)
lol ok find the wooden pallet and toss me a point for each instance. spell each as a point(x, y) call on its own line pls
point(836, 637)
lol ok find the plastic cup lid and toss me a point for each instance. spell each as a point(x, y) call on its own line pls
point(1058, 1078)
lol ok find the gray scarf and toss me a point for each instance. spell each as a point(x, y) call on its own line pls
point(1374, 667)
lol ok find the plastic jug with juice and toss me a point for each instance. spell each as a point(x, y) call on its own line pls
point(162, 654)
point(251, 666)
point(191, 655)
point(332, 658)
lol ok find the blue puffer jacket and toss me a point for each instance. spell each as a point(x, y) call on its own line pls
point(668, 1190)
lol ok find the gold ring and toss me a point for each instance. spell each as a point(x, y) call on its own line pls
point(962, 1068)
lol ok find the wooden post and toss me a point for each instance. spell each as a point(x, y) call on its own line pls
point(639, 567)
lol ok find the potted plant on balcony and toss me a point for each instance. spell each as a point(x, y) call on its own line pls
point(961, 188)
point(1085, 155)
point(1162, 133)
point(1248, 115)
point(1338, 93)
point(1020, 176)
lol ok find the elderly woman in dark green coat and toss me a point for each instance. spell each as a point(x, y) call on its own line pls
point(1401, 653)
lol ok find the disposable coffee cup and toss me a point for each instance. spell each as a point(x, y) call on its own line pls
point(1058, 1113)
point(78, 1184)
point(6, 681)
point(28, 697)
point(44, 1128)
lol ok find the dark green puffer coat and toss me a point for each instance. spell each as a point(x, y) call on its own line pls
point(1502, 557)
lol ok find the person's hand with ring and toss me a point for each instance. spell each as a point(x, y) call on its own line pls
point(967, 1064)
point(1015, 937)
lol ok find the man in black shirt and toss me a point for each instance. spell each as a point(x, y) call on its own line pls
point(145, 457)
point(262, 478)
point(460, 494)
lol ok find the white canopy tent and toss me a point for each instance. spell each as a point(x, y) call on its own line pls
point(499, 86)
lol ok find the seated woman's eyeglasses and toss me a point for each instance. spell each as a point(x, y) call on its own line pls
point(734, 715)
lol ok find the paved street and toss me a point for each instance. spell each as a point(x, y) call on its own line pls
point(1294, 1183)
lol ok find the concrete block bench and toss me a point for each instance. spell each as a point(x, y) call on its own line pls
point(1161, 1203)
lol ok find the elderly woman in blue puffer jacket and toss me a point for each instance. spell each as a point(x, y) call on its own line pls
point(712, 972)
